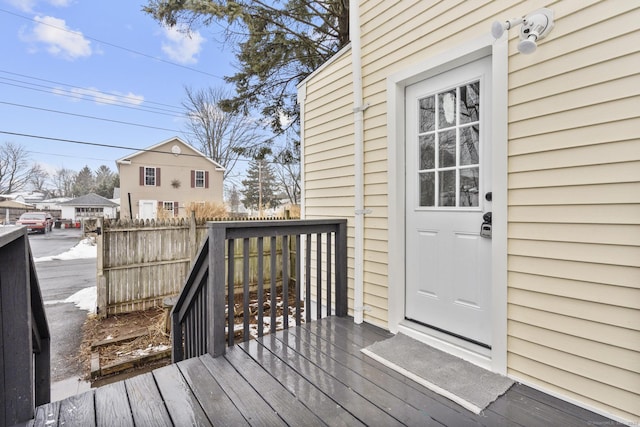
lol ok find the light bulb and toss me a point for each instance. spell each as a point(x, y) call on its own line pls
point(528, 45)
point(498, 28)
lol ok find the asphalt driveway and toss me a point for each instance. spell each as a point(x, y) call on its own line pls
point(60, 279)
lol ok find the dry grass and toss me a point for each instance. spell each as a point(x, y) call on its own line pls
point(207, 210)
point(95, 330)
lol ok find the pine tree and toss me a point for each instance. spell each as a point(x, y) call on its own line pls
point(84, 183)
point(105, 181)
point(278, 44)
point(260, 186)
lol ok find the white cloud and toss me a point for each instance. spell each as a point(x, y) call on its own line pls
point(29, 5)
point(59, 39)
point(100, 97)
point(182, 47)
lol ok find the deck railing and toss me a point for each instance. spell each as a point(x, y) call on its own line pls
point(24, 333)
point(203, 316)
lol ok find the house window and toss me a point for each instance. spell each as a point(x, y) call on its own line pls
point(150, 176)
point(199, 179)
point(168, 206)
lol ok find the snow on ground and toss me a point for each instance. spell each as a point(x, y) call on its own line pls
point(84, 299)
point(85, 249)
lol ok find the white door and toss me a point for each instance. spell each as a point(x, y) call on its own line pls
point(448, 170)
point(147, 209)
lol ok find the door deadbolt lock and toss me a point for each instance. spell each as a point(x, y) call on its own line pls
point(485, 228)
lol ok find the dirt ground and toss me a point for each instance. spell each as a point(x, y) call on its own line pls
point(95, 330)
point(153, 322)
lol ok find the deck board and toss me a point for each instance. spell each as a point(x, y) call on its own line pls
point(216, 404)
point(145, 402)
point(78, 410)
point(255, 409)
point(369, 392)
point(272, 385)
point(314, 374)
point(112, 406)
point(182, 405)
point(307, 390)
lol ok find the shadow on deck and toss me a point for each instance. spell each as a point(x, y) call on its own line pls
point(313, 374)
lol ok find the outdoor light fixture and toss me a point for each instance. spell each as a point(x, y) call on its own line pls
point(535, 26)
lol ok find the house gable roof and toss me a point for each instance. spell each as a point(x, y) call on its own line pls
point(90, 199)
point(124, 159)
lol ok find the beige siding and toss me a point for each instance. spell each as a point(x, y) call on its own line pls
point(172, 168)
point(573, 180)
point(574, 210)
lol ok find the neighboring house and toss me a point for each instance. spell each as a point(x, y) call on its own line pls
point(51, 204)
point(88, 206)
point(426, 122)
point(168, 177)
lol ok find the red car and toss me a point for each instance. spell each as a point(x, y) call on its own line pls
point(36, 221)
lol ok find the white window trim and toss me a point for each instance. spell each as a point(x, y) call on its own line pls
point(195, 179)
point(496, 360)
point(155, 176)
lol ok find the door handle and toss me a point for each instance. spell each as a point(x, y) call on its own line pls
point(485, 228)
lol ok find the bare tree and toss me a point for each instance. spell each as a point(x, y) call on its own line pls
point(38, 178)
point(63, 181)
point(221, 136)
point(14, 167)
point(287, 169)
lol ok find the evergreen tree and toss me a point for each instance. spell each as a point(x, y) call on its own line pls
point(105, 181)
point(84, 183)
point(260, 186)
point(234, 199)
point(278, 43)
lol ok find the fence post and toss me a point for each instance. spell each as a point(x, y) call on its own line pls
point(193, 238)
point(216, 296)
point(101, 281)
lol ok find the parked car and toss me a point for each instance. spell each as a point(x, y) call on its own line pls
point(36, 221)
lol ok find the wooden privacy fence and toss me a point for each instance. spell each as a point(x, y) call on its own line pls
point(140, 263)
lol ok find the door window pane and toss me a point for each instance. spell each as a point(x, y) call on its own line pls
point(427, 151)
point(470, 103)
point(427, 189)
point(447, 148)
point(469, 143)
point(447, 109)
point(427, 114)
point(469, 187)
point(447, 188)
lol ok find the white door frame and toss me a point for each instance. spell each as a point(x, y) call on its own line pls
point(496, 358)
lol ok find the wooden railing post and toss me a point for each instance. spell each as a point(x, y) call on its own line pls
point(24, 367)
point(341, 269)
point(216, 297)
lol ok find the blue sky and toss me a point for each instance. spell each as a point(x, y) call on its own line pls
point(57, 53)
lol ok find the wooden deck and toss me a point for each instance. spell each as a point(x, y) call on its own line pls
point(314, 374)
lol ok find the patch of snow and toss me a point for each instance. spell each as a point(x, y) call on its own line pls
point(85, 249)
point(84, 299)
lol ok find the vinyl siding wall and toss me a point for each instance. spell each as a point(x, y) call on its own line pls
point(573, 180)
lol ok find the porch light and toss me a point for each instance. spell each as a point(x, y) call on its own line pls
point(535, 26)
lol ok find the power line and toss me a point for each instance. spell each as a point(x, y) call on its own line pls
point(89, 117)
point(93, 144)
point(81, 97)
point(96, 144)
point(126, 49)
point(81, 88)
